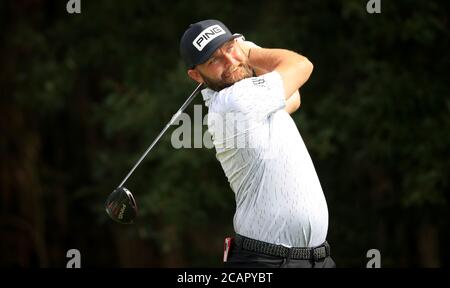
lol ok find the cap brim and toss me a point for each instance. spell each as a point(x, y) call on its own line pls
point(213, 49)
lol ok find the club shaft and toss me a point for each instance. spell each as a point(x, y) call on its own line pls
point(174, 118)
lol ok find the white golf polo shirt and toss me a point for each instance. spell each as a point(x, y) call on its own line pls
point(278, 195)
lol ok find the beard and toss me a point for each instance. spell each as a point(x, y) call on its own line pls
point(228, 78)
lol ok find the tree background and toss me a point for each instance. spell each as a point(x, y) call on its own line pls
point(83, 95)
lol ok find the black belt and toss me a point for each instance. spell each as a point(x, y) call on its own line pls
point(300, 253)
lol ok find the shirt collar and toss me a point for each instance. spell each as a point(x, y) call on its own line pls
point(208, 94)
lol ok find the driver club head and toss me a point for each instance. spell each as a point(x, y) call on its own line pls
point(121, 206)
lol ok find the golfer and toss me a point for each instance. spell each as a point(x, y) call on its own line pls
point(281, 217)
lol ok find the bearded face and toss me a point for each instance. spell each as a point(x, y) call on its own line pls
point(226, 66)
point(229, 77)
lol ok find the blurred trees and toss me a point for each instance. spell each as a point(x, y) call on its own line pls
point(83, 95)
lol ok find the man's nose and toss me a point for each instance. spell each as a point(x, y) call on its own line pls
point(229, 59)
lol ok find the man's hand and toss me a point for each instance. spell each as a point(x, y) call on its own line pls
point(245, 46)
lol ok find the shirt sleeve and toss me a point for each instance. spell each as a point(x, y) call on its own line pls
point(259, 97)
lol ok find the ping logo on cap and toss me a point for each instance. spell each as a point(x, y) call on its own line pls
point(207, 36)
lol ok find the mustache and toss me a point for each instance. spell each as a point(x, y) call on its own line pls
point(232, 69)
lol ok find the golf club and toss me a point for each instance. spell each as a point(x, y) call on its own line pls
point(120, 204)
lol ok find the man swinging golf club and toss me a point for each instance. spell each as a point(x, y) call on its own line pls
point(281, 217)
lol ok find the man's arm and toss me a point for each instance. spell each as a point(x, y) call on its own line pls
point(294, 68)
point(293, 103)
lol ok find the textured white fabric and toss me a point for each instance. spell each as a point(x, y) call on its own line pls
point(278, 195)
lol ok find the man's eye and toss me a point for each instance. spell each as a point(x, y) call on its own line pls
point(213, 61)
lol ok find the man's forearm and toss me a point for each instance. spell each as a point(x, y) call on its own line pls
point(294, 68)
point(268, 59)
point(293, 103)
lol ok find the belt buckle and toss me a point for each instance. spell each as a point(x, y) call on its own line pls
point(317, 253)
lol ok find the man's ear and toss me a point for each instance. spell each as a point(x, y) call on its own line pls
point(195, 75)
